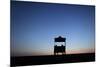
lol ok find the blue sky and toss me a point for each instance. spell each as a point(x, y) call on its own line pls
point(35, 25)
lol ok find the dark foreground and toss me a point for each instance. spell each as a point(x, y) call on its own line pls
point(51, 59)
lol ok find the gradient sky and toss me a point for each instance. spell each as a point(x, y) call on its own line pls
point(34, 26)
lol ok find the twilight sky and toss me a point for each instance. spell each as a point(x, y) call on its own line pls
point(34, 26)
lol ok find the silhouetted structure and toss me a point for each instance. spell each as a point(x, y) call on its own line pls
point(62, 47)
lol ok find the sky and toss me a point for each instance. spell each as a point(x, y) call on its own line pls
point(34, 26)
